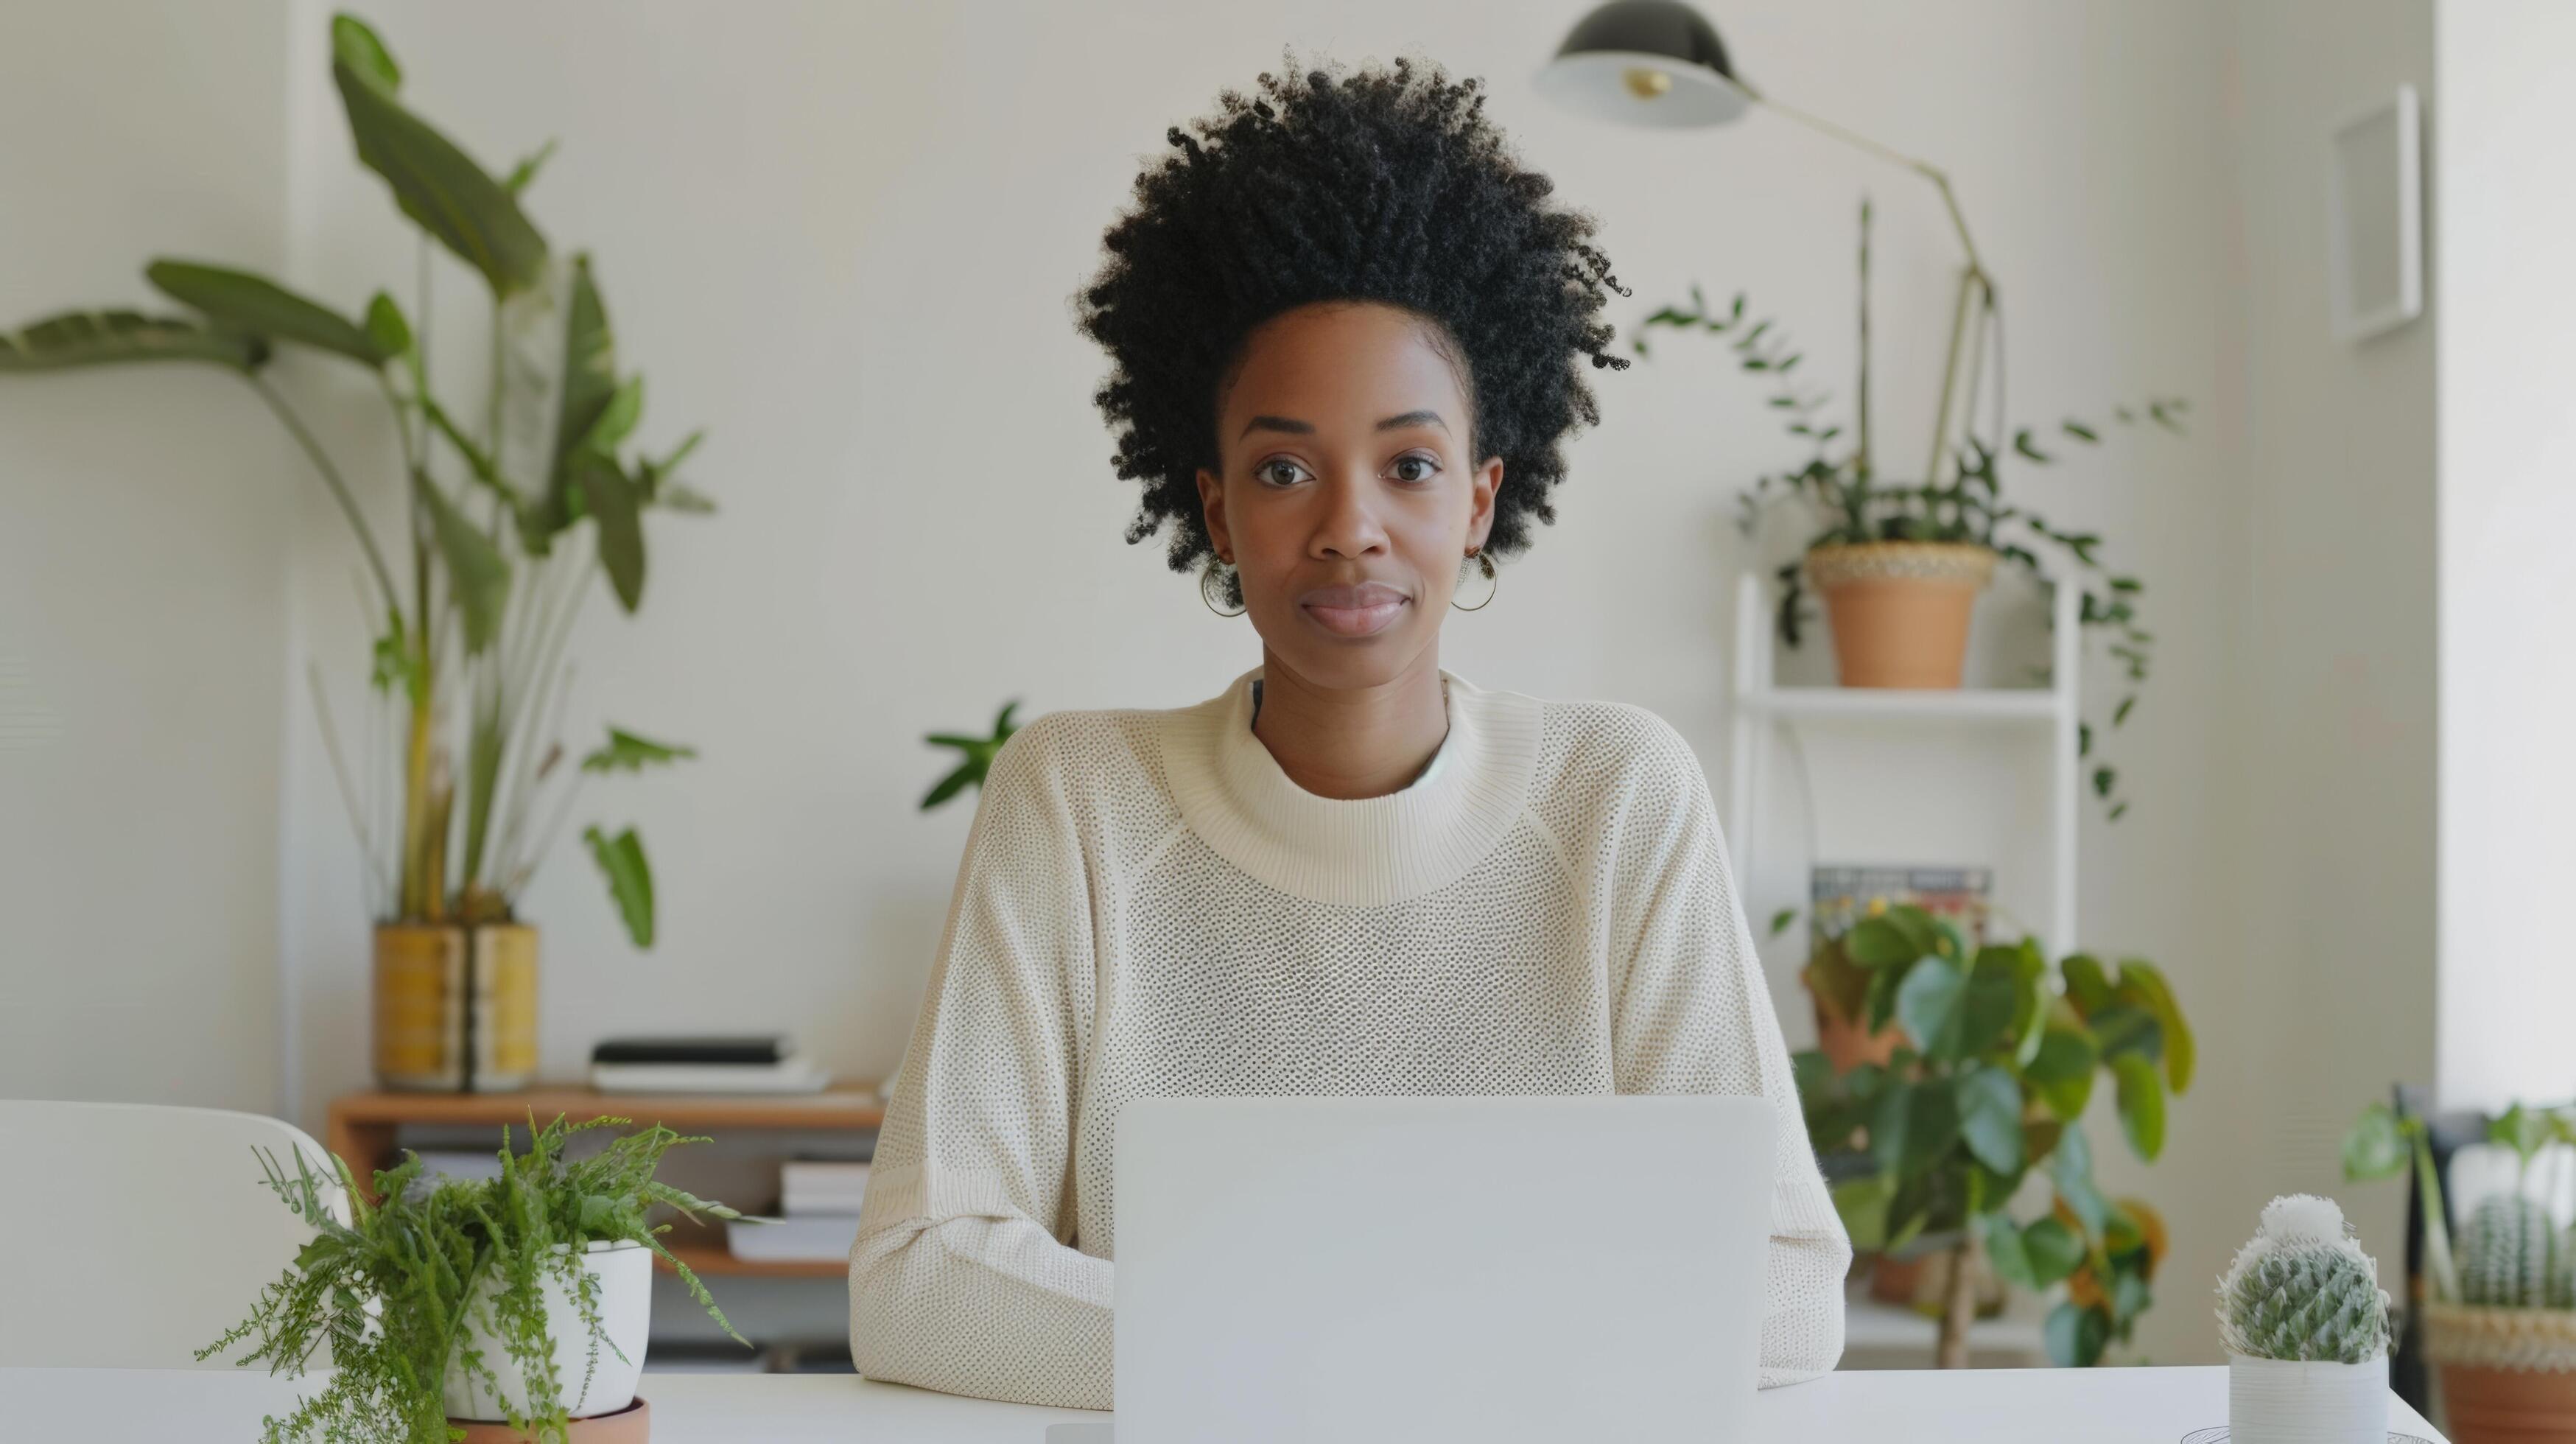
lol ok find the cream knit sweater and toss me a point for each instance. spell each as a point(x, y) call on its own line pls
point(1149, 906)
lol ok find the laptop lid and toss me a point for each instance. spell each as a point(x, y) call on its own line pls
point(1501, 1270)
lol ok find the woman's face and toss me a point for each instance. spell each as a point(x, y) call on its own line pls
point(1347, 499)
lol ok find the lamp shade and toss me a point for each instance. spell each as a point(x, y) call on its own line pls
point(1645, 62)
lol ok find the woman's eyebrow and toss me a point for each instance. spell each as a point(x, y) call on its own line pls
point(1295, 427)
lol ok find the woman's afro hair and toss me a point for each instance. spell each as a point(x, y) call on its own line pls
point(1388, 186)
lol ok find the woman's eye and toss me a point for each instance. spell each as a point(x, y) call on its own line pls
point(1429, 468)
point(1278, 471)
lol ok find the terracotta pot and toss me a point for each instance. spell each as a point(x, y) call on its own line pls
point(630, 1425)
point(2508, 1375)
point(455, 1007)
point(1899, 610)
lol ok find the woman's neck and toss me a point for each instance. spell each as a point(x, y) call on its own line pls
point(1351, 743)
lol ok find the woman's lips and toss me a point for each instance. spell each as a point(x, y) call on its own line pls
point(1356, 611)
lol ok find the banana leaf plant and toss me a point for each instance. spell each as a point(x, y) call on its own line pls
point(1927, 1153)
point(511, 514)
point(976, 760)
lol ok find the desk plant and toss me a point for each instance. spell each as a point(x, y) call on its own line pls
point(1900, 560)
point(512, 512)
point(2499, 1296)
point(522, 1298)
point(2000, 1056)
point(2305, 1325)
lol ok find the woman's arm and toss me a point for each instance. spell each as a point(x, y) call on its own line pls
point(1691, 1014)
point(960, 1280)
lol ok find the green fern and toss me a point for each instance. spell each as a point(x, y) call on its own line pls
point(427, 1256)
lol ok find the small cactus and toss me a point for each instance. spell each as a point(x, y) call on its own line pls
point(2302, 1290)
point(2512, 1256)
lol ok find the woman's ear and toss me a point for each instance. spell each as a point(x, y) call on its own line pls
point(1480, 500)
point(1212, 508)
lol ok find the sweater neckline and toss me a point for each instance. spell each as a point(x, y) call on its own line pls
point(1354, 852)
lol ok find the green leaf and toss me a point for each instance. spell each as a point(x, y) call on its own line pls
point(1995, 1000)
point(1989, 1106)
point(1863, 1205)
point(478, 575)
point(394, 660)
point(2126, 1028)
point(952, 784)
point(2142, 1104)
point(2080, 431)
point(2524, 1130)
point(482, 779)
point(1916, 1125)
point(438, 185)
point(2054, 1251)
point(2022, 443)
point(387, 330)
point(255, 304)
point(1881, 942)
point(586, 380)
point(2061, 1073)
point(2086, 987)
point(609, 496)
point(355, 45)
point(1931, 1005)
point(2143, 984)
point(526, 170)
point(2129, 1298)
point(2005, 1250)
point(630, 879)
point(2076, 1336)
point(617, 419)
point(2376, 1146)
point(110, 338)
point(1780, 920)
point(2070, 1169)
point(683, 498)
point(624, 751)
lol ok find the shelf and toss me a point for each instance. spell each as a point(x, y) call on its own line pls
point(844, 1105)
point(715, 1261)
point(1988, 704)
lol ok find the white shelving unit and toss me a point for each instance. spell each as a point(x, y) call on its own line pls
point(2043, 717)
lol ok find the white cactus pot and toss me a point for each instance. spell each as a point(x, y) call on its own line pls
point(2274, 1401)
point(625, 1275)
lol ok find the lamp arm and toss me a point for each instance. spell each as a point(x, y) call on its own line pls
point(1939, 178)
point(1971, 282)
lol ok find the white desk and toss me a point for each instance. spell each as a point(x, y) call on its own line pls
point(1987, 1406)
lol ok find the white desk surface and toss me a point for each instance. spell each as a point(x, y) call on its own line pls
point(1987, 1406)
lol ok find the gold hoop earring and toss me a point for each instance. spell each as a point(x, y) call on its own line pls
point(1218, 575)
point(1484, 564)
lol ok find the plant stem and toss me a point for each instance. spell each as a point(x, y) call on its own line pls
point(1860, 457)
point(1969, 280)
point(1959, 1301)
point(331, 477)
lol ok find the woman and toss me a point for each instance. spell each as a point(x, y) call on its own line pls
point(1345, 331)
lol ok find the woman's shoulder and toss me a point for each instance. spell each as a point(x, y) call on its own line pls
point(1611, 756)
point(1087, 754)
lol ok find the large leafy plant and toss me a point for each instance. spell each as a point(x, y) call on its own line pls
point(389, 1293)
point(512, 512)
point(1989, 1090)
point(1957, 497)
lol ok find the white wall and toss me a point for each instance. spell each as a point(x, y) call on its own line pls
point(2329, 583)
point(142, 555)
point(2508, 594)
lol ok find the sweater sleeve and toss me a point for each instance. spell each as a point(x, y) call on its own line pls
point(961, 1278)
point(1692, 1014)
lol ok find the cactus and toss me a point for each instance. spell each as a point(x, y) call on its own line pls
point(2302, 1290)
point(2512, 1256)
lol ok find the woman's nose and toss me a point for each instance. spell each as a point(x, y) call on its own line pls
point(1349, 525)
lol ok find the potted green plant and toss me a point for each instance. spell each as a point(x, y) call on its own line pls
point(513, 512)
point(2000, 1056)
point(1900, 561)
point(522, 1299)
point(2499, 1310)
point(2305, 1324)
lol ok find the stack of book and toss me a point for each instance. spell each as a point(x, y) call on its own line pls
point(817, 1218)
point(703, 1065)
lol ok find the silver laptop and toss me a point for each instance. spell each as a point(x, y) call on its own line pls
point(1498, 1270)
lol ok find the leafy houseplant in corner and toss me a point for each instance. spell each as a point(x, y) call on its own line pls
point(2000, 1057)
point(1900, 560)
point(520, 1300)
point(2500, 1319)
point(2305, 1324)
point(511, 515)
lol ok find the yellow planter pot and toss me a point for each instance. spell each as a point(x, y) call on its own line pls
point(455, 1007)
point(1899, 610)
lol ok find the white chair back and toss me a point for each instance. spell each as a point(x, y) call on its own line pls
point(132, 1235)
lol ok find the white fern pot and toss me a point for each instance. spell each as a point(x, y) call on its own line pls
point(2276, 1401)
point(625, 1275)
